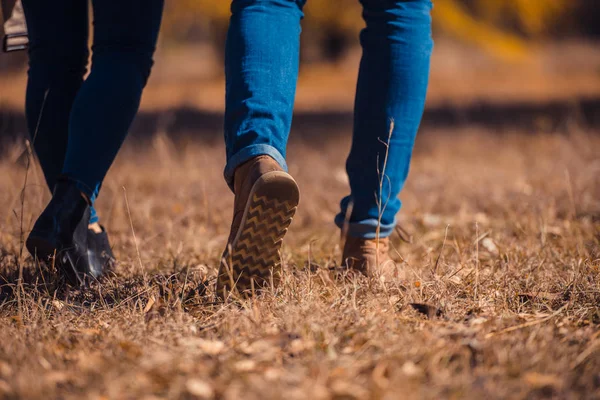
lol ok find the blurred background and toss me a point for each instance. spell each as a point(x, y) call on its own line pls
point(518, 62)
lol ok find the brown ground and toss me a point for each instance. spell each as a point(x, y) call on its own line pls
point(504, 263)
point(192, 76)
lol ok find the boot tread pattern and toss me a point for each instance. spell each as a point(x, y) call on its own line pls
point(255, 254)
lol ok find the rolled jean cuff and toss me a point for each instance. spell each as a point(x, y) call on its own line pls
point(248, 153)
point(93, 216)
point(366, 229)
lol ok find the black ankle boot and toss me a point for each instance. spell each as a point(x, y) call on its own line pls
point(61, 232)
point(99, 250)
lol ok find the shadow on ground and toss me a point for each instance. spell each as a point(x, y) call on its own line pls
point(550, 116)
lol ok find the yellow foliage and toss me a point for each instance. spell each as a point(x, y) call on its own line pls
point(534, 16)
point(454, 18)
point(485, 23)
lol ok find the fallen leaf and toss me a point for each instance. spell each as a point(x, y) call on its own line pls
point(87, 332)
point(5, 387)
point(347, 389)
point(411, 369)
point(149, 305)
point(210, 347)
point(5, 369)
point(258, 347)
point(380, 374)
point(554, 230)
point(199, 388)
point(59, 305)
point(490, 246)
point(539, 381)
point(482, 218)
point(431, 220)
point(272, 374)
point(245, 366)
point(57, 377)
point(297, 346)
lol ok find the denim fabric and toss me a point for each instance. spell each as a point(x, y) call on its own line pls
point(261, 71)
point(77, 126)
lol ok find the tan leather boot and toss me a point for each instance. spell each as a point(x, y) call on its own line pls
point(266, 199)
point(362, 255)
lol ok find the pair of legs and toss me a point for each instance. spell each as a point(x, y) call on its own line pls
point(77, 126)
point(261, 66)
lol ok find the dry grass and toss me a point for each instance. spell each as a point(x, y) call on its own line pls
point(504, 260)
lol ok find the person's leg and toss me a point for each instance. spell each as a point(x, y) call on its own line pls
point(261, 68)
point(125, 34)
point(58, 56)
point(392, 84)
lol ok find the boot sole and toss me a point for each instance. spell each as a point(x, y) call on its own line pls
point(253, 261)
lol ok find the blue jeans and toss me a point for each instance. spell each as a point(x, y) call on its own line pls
point(77, 126)
point(261, 67)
